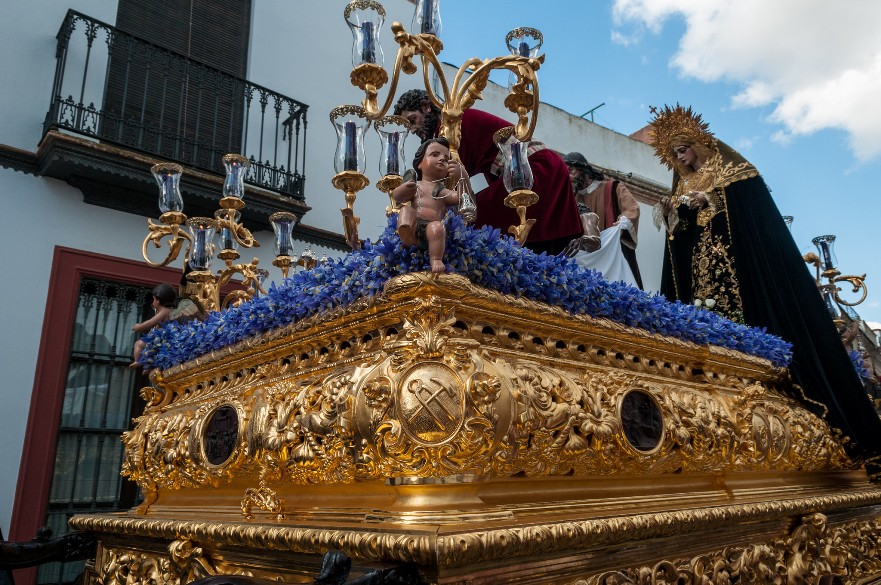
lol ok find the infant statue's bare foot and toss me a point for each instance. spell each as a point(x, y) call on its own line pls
point(438, 266)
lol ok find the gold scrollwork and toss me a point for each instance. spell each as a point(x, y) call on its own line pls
point(303, 432)
point(186, 561)
point(811, 551)
point(437, 377)
point(264, 498)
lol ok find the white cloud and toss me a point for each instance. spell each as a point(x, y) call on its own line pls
point(818, 63)
point(620, 38)
point(744, 144)
point(781, 137)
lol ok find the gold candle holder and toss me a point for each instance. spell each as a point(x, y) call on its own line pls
point(520, 200)
point(387, 185)
point(350, 182)
point(283, 263)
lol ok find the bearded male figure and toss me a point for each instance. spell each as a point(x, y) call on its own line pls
point(556, 212)
point(615, 207)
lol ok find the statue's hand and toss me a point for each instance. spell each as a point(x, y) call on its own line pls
point(454, 171)
point(584, 243)
point(405, 192)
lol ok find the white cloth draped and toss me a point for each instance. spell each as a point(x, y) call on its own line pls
point(609, 259)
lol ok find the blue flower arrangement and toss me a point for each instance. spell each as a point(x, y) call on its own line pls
point(859, 365)
point(487, 259)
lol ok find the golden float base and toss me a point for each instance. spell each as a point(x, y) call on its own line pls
point(562, 530)
point(484, 439)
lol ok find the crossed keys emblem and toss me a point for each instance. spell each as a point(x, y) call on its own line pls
point(427, 397)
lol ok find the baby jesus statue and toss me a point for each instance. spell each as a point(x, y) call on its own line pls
point(424, 202)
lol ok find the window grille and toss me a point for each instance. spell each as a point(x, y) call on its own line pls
point(100, 399)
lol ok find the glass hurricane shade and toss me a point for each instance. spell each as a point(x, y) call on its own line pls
point(283, 224)
point(203, 231)
point(517, 173)
point(426, 18)
point(825, 246)
point(365, 20)
point(831, 305)
point(393, 131)
point(167, 176)
point(350, 122)
point(523, 42)
point(236, 168)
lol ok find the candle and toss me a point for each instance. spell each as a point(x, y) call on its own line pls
point(368, 44)
point(523, 49)
point(283, 239)
point(517, 179)
point(227, 242)
point(393, 165)
point(427, 17)
point(827, 257)
point(350, 156)
point(200, 251)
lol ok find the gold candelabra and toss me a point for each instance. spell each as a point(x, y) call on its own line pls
point(825, 265)
point(365, 17)
point(196, 238)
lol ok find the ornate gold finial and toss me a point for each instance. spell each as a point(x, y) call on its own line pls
point(672, 126)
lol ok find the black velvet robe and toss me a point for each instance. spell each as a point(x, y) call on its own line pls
point(779, 293)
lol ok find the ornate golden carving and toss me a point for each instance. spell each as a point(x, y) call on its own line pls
point(364, 544)
point(464, 548)
point(811, 551)
point(437, 377)
point(264, 498)
point(119, 567)
point(185, 562)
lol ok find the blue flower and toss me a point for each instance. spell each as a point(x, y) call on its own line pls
point(859, 365)
point(484, 256)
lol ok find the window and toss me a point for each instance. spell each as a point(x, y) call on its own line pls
point(100, 399)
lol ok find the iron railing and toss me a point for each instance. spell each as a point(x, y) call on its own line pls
point(124, 90)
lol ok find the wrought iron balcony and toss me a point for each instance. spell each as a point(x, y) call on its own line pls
point(133, 94)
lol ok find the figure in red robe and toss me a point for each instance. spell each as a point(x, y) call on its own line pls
point(556, 213)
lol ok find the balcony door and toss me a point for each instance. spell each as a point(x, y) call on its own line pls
point(180, 93)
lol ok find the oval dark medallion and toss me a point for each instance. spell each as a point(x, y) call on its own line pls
point(641, 420)
point(221, 434)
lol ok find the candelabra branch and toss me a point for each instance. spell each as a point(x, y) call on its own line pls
point(250, 281)
point(202, 289)
point(371, 77)
point(169, 227)
point(523, 98)
point(857, 282)
point(242, 235)
point(350, 182)
point(457, 98)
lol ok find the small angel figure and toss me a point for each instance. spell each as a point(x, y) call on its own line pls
point(424, 201)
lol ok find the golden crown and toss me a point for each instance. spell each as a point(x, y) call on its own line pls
point(674, 126)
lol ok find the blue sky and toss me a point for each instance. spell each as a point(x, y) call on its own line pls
point(794, 85)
